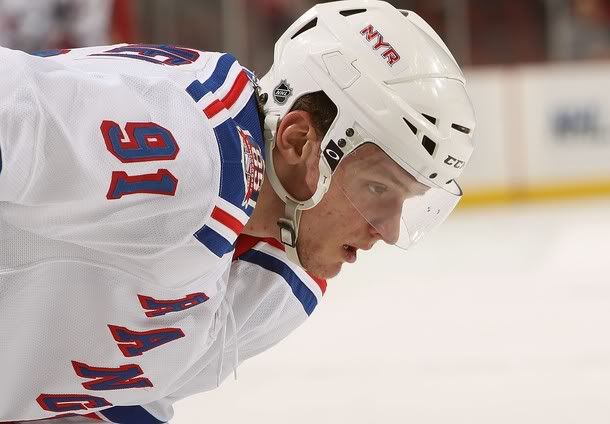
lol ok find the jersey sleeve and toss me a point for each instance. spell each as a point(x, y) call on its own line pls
point(268, 298)
point(271, 298)
point(119, 161)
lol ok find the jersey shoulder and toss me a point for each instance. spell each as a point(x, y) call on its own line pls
point(205, 101)
point(225, 93)
point(265, 259)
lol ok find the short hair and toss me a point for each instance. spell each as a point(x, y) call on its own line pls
point(319, 106)
point(321, 109)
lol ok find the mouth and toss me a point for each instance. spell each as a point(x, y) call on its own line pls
point(350, 253)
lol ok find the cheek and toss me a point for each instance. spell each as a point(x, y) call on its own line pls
point(317, 221)
point(333, 220)
point(341, 207)
point(334, 216)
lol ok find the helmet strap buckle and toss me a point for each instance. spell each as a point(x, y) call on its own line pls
point(289, 230)
point(288, 235)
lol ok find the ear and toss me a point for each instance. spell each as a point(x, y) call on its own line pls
point(297, 154)
point(295, 132)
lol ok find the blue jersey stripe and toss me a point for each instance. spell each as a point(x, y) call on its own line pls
point(232, 186)
point(198, 89)
point(217, 244)
point(129, 414)
point(248, 119)
point(232, 173)
point(271, 263)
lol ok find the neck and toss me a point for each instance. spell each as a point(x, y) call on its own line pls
point(269, 208)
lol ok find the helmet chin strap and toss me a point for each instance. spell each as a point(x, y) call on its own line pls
point(289, 223)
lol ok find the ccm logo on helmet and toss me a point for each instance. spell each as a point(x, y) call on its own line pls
point(456, 163)
point(389, 53)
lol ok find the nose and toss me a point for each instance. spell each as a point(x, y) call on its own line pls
point(387, 226)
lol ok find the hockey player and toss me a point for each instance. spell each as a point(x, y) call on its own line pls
point(163, 214)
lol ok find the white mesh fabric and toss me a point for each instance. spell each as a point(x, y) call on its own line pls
point(266, 311)
point(69, 201)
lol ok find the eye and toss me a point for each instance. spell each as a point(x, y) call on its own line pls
point(377, 188)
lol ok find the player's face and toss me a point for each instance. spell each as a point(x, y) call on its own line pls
point(367, 183)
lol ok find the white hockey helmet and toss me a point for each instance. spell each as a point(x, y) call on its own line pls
point(396, 85)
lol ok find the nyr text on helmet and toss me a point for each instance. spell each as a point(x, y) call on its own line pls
point(370, 33)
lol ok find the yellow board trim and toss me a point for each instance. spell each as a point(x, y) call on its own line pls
point(539, 193)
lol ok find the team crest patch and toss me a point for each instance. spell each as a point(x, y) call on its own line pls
point(253, 166)
point(281, 92)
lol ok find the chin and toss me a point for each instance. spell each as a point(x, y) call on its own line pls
point(325, 271)
point(318, 264)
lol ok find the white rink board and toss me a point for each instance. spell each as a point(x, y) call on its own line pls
point(566, 122)
point(490, 164)
point(502, 316)
point(539, 125)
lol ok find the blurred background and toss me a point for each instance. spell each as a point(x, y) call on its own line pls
point(503, 315)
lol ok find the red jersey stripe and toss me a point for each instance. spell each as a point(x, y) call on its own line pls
point(230, 98)
point(227, 220)
point(236, 90)
point(213, 108)
point(244, 243)
point(319, 281)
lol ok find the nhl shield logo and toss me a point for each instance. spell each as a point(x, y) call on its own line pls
point(281, 92)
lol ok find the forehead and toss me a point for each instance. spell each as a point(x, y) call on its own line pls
point(370, 160)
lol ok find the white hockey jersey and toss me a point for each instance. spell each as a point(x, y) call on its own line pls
point(126, 175)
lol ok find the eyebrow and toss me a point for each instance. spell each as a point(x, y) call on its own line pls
point(413, 186)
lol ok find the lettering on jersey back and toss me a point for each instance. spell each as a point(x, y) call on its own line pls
point(123, 377)
point(146, 142)
point(70, 402)
point(161, 54)
point(50, 52)
point(135, 343)
point(161, 182)
point(157, 307)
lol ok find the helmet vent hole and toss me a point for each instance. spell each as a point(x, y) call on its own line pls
point(432, 176)
point(352, 12)
point(460, 128)
point(309, 25)
point(429, 118)
point(413, 127)
point(429, 145)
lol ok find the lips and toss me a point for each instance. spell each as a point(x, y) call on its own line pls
point(350, 253)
